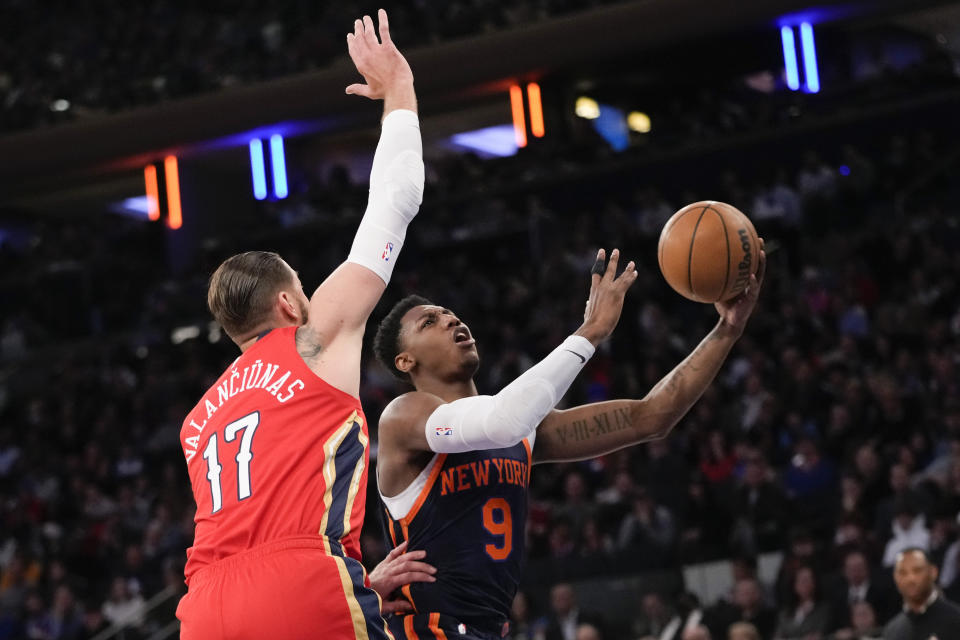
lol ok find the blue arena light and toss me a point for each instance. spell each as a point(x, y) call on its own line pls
point(790, 58)
point(279, 166)
point(809, 58)
point(497, 141)
point(256, 167)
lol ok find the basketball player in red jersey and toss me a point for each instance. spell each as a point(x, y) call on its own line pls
point(277, 448)
point(453, 466)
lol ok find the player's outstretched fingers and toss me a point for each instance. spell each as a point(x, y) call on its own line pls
point(359, 90)
point(628, 277)
point(369, 32)
point(597, 270)
point(384, 27)
point(612, 265)
point(762, 267)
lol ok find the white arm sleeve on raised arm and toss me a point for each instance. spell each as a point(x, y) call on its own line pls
point(503, 420)
point(396, 191)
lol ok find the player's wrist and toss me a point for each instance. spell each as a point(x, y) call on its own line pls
point(727, 331)
point(400, 96)
point(591, 333)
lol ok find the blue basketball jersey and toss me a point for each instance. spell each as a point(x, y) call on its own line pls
point(470, 518)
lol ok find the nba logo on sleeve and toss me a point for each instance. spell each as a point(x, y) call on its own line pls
point(387, 250)
point(444, 431)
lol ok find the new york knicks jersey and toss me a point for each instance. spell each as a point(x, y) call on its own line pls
point(275, 452)
point(470, 517)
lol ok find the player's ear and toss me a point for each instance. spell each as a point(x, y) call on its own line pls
point(404, 361)
point(288, 307)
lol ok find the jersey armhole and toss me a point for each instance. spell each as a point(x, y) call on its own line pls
point(400, 505)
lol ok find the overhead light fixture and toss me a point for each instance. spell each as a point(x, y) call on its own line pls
point(638, 121)
point(587, 108)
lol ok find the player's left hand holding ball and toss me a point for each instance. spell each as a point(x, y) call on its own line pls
point(735, 312)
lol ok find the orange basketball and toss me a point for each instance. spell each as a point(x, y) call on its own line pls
point(708, 251)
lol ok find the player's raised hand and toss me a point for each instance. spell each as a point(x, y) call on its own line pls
point(381, 64)
point(397, 569)
point(607, 291)
point(736, 311)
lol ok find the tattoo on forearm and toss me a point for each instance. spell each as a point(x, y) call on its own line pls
point(607, 422)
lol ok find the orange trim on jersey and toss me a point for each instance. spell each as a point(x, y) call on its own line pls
point(408, 628)
point(405, 590)
point(526, 445)
point(393, 534)
point(434, 626)
point(434, 474)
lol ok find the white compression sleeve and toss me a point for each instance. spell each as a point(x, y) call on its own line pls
point(396, 191)
point(503, 420)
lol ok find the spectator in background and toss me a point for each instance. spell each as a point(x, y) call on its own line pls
point(717, 460)
point(665, 474)
point(565, 616)
point(657, 619)
point(63, 620)
point(698, 632)
point(854, 585)
point(806, 615)
point(743, 631)
point(863, 624)
point(899, 482)
point(648, 526)
point(122, 608)
point(809, 481)
point(909, 531)
point(576, 507)
point(747, 606)
point(523, 623)
point(588, 632)
point(758, 504)
point(926, 613)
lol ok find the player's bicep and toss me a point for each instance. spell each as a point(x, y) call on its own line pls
point(344, 301)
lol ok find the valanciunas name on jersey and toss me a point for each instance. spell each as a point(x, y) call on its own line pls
point(259, 375)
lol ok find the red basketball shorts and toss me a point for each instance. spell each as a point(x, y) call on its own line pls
point(285, 590)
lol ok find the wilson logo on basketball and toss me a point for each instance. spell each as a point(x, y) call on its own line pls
point(743, 268)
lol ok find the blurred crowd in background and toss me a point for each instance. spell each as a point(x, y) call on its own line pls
point(831, 435)
point(66, 60)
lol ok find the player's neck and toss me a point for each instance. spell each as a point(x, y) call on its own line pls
point(449, 390)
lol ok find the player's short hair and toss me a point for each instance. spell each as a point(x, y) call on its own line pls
point(242, 289)
point(386, 344)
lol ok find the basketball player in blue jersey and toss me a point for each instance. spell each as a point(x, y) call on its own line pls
point(454, 466)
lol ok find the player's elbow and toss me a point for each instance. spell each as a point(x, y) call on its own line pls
point(404, 181)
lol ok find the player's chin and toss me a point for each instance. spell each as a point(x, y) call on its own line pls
point(470, 360)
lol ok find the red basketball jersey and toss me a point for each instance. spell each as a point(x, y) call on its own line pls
point(274, 452)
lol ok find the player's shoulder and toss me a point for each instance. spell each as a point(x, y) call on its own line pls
point(410, 407)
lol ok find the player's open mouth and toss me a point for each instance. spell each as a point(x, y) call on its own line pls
point(462, 337)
